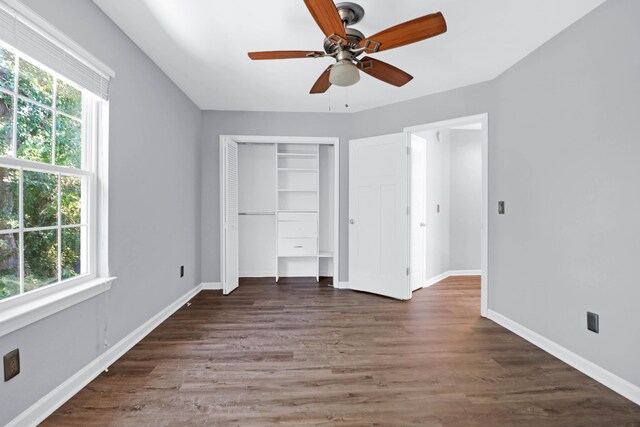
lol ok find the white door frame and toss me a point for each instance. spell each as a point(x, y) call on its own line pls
point(335, 141)
point(484, 119)
point(414, 209)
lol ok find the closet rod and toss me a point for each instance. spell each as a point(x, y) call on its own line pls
point(256, 213)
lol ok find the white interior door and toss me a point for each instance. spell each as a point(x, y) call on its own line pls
point(418, 211)
point(231, 255)
point(378, 224)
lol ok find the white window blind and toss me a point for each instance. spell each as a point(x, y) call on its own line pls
point(26, 31)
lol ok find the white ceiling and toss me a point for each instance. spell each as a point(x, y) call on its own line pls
point(202, 45)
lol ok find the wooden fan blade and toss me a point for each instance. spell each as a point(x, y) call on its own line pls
point(285, 54)
point(327, 17)
point(322, 84)
point(385, 72)
point(409, 32)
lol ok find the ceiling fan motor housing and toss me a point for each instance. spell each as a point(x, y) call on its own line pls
point(354, 37)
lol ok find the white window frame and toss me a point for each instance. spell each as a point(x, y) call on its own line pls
point(23, 309)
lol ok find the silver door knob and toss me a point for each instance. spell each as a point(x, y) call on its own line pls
point(352, 221)
point(422, 224)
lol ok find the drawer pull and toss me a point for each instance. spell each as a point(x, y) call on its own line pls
point(298, 247)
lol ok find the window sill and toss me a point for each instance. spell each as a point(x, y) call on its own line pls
point(21, 315)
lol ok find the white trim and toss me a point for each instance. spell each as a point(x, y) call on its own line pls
point(341, 285)
point(257, 274)
point(211, 286)
point(336, 209)
point(432, 281)
point(261, 139)
point(446, 124)
point(464, 273)
point(44, 407)
point(23, 313)
point(598, 373)
point(29, 165)
point(450, 273)
point(100, 188)
point(42, 26)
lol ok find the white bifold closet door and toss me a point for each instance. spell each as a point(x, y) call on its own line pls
point(378, 216)
point(230, 175)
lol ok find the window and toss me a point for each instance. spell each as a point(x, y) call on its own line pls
point(45, 177)
point(54, 120)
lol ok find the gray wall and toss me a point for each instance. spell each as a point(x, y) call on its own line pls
point(565, 157)
point(216, 123)
point(154, 212)
point(465, 200)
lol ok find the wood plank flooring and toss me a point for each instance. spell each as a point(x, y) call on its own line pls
point(302, 353)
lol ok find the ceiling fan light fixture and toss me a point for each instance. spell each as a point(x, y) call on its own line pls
point(344, 73)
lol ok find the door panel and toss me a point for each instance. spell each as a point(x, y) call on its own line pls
point(378, 230)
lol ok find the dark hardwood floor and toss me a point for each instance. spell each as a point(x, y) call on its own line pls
point(302, 353)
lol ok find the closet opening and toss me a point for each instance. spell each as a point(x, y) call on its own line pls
point(279, 208)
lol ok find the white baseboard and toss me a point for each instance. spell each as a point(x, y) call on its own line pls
point(465, 273)
point(451, 273)
point(340, 285)
point(211, 286)
point(436, 279)
point(614, 382)
point(257, 274)
point(44, 407)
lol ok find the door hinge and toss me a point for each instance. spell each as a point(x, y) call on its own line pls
point(408, 150)
point(408, 210)
point(408, 271)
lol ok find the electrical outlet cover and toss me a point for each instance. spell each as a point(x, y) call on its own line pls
point(593, 322)
point(11, 364)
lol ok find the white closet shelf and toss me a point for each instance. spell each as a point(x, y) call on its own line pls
point(297, 170)
point(297, 190)
point(297, 256)
point(324, 254)
point(298, 155)
point(298, 211)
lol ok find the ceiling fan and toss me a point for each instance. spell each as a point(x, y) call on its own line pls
point(346, 44)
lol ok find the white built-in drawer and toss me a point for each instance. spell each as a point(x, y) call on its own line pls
point(297, 229)
point(297, 216)
point(297, 247)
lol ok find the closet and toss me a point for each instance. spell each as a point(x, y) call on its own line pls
point(286, 209)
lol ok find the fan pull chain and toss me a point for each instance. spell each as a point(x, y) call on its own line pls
point(346, 98)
